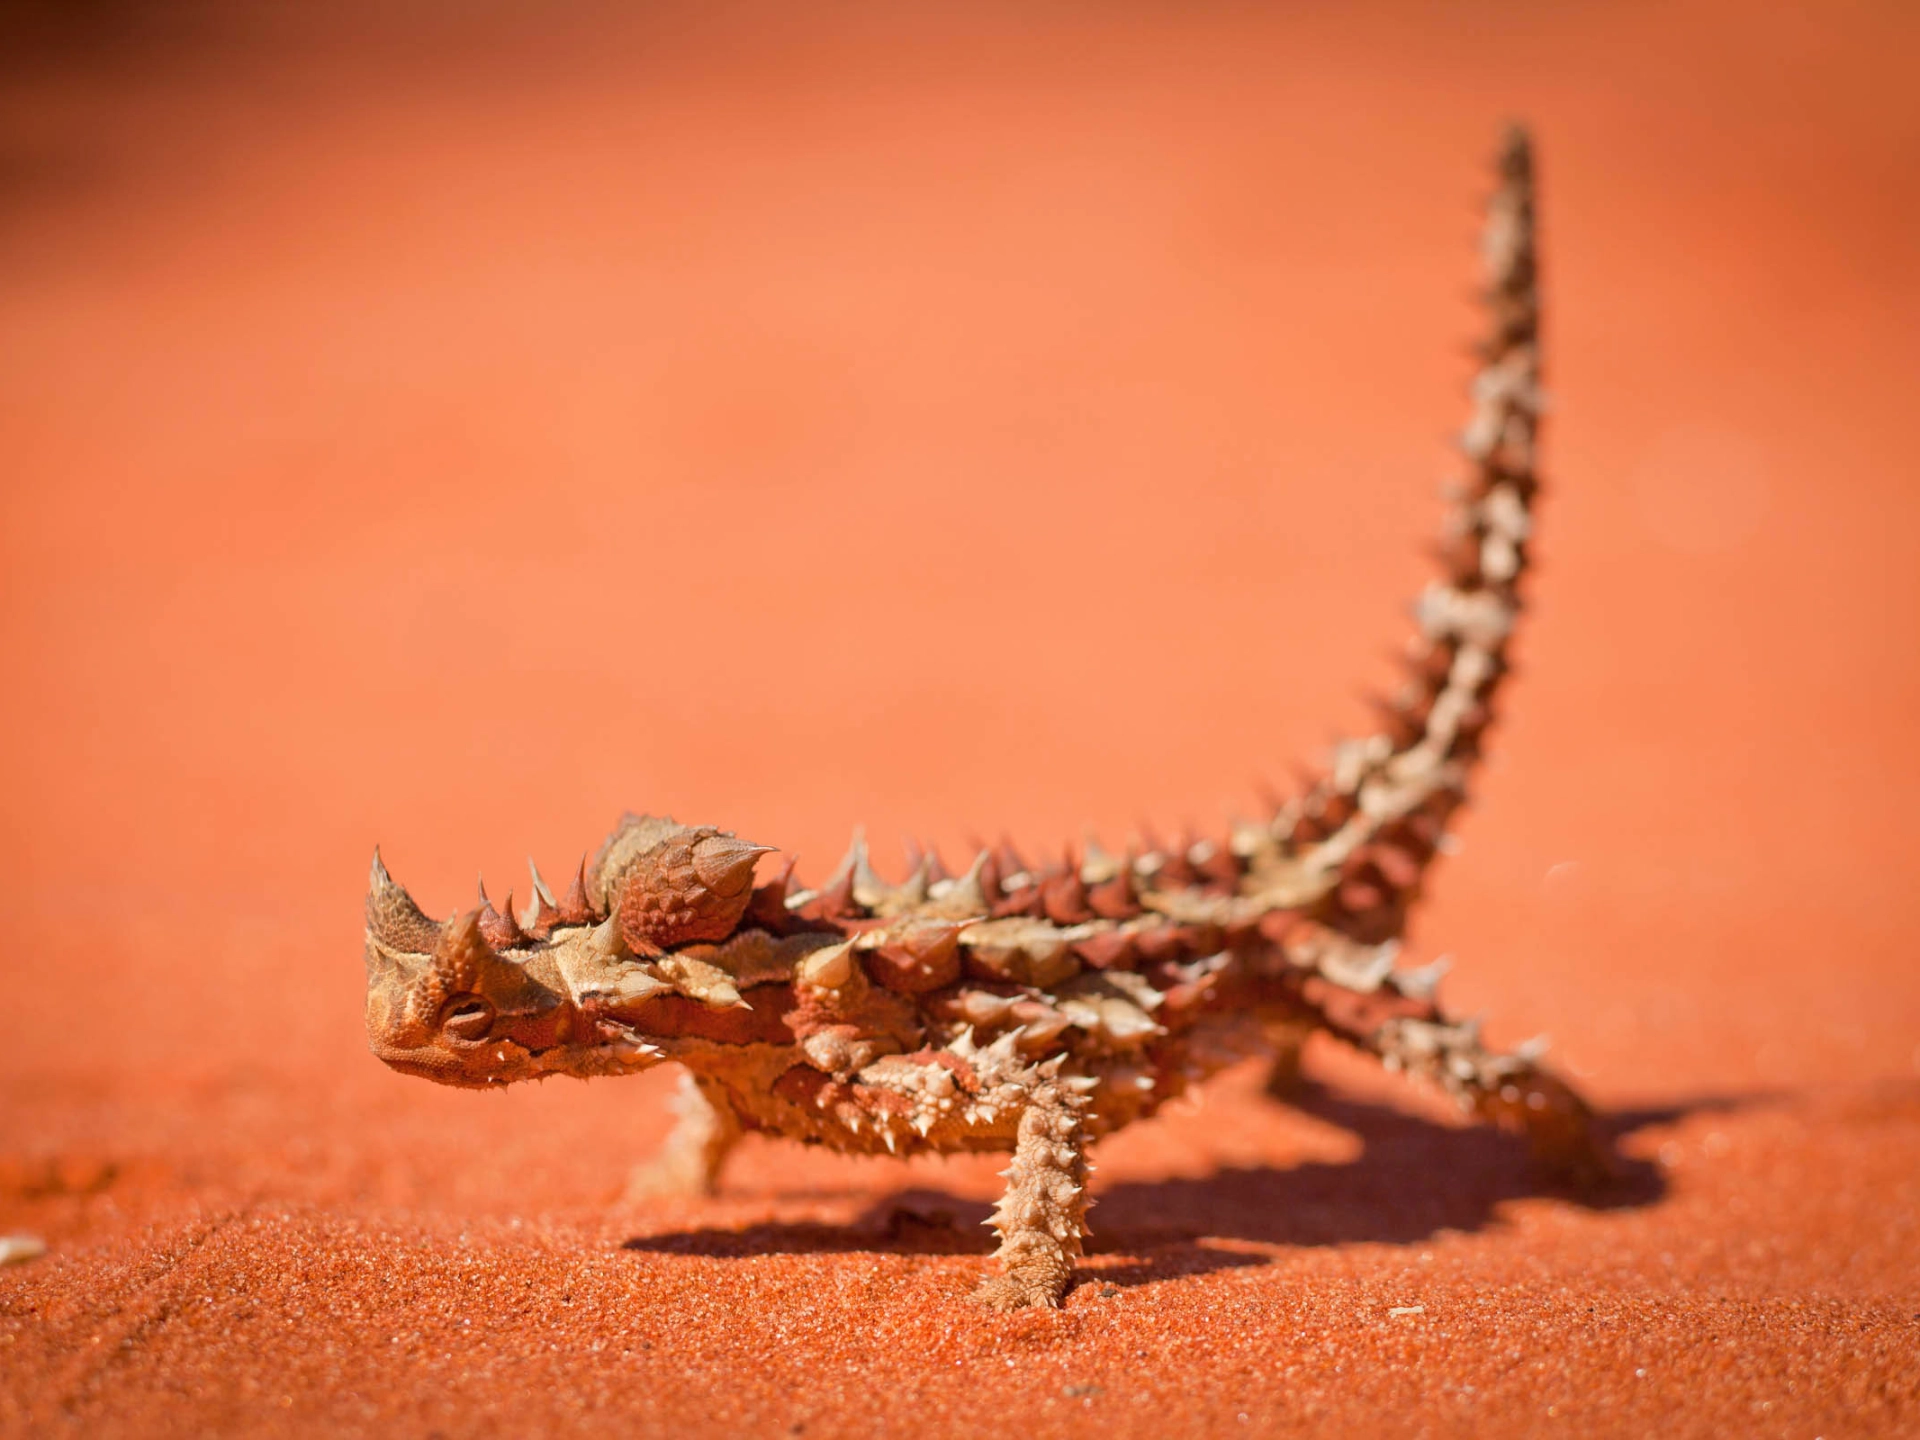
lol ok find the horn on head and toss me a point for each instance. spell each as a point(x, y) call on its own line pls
point(392, 917)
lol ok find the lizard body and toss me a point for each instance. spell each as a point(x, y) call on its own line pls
point(1019, 1007)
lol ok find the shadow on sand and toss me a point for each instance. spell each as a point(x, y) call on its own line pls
point(1413, 1180)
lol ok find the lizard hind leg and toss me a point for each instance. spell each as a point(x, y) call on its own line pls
point(1041, 1219)
point(690, 1159)
point(1513, 1091)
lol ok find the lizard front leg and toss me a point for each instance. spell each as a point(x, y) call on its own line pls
point(1041, 1219)
point(1286, 1038)
point(691, 1157)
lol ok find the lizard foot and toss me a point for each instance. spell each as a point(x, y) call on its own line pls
point(1029, 1287)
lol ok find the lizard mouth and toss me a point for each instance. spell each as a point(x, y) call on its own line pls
point(442, 1073)
point(622, 1051)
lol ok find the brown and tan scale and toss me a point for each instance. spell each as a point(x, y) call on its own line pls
point(1022, 1008)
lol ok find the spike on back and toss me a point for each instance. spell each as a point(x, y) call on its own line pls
point(541, 912)
point(576, 908)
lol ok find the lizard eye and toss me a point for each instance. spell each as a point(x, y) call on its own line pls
point(467, 1017)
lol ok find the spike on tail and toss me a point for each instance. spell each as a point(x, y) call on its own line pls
point(1399, 788)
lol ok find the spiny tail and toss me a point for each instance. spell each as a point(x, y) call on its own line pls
point(1375, 820)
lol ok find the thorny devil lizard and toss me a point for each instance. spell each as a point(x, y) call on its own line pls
point(1027, 1008)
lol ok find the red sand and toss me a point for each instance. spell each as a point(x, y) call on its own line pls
point(449, 433)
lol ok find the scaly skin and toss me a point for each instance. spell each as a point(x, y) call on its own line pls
point(1013, 1007)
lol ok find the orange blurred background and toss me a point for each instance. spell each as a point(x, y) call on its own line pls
point(449, 426)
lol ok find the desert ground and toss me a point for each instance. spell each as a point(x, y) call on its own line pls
point(447, 427)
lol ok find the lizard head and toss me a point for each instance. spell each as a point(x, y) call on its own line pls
point(448, 1003)
point(444, 1004)
point(480, 1001)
